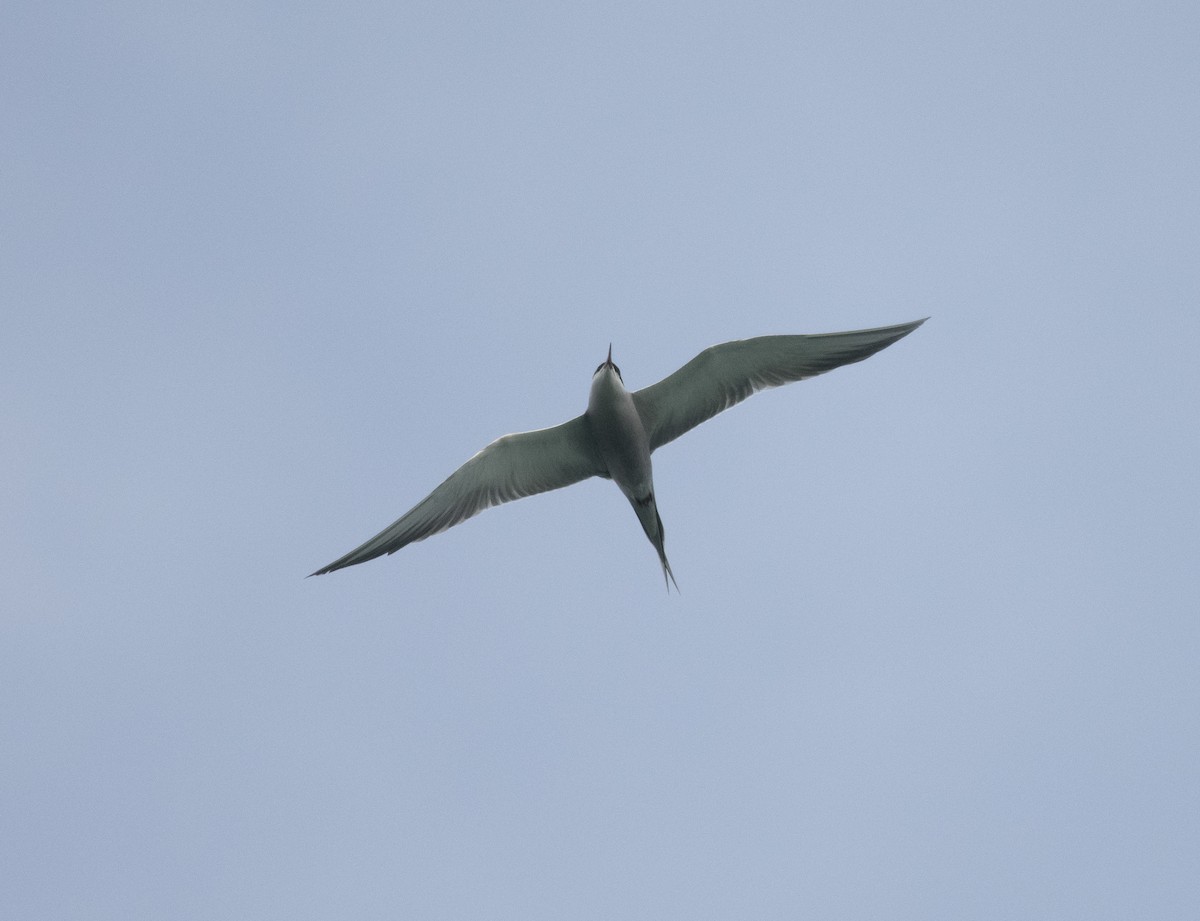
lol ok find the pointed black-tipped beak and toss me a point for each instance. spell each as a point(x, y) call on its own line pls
point(608, 360)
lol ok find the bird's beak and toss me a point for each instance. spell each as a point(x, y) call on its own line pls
point(608, 360)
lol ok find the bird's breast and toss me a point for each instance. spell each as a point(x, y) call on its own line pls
point(619, 436)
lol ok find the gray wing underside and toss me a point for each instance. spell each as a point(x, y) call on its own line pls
point(511, 467)
point(724, 375)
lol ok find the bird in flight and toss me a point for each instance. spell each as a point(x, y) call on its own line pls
point(619, 430)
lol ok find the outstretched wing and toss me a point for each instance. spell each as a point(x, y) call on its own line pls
point(511, 467)
point(726, 374)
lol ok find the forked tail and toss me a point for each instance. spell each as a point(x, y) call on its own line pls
point(662, 558)
point(647, 512)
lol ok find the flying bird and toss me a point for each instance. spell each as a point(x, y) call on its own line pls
point(618, 432)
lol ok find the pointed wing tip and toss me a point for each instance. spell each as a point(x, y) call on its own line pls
point(899, 331)
point(909, 327)
point(335, 565)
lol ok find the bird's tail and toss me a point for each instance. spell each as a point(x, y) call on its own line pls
point(647, 512)
point(662, 558)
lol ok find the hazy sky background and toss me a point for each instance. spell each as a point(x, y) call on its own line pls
point(271, 271)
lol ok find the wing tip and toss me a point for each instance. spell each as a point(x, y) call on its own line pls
point(903, 329)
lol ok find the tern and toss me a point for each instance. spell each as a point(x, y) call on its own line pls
point(618, 432)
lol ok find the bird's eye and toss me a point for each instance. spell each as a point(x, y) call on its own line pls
point(598, 368)
point(618, 370)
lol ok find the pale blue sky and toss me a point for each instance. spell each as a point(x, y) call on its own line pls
point(271, 271)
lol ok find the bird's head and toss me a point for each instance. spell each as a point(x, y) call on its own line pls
point(608, 363)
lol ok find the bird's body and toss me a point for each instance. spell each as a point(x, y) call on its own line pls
point(616, 435)
point(623, 447)
point(617, 430)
